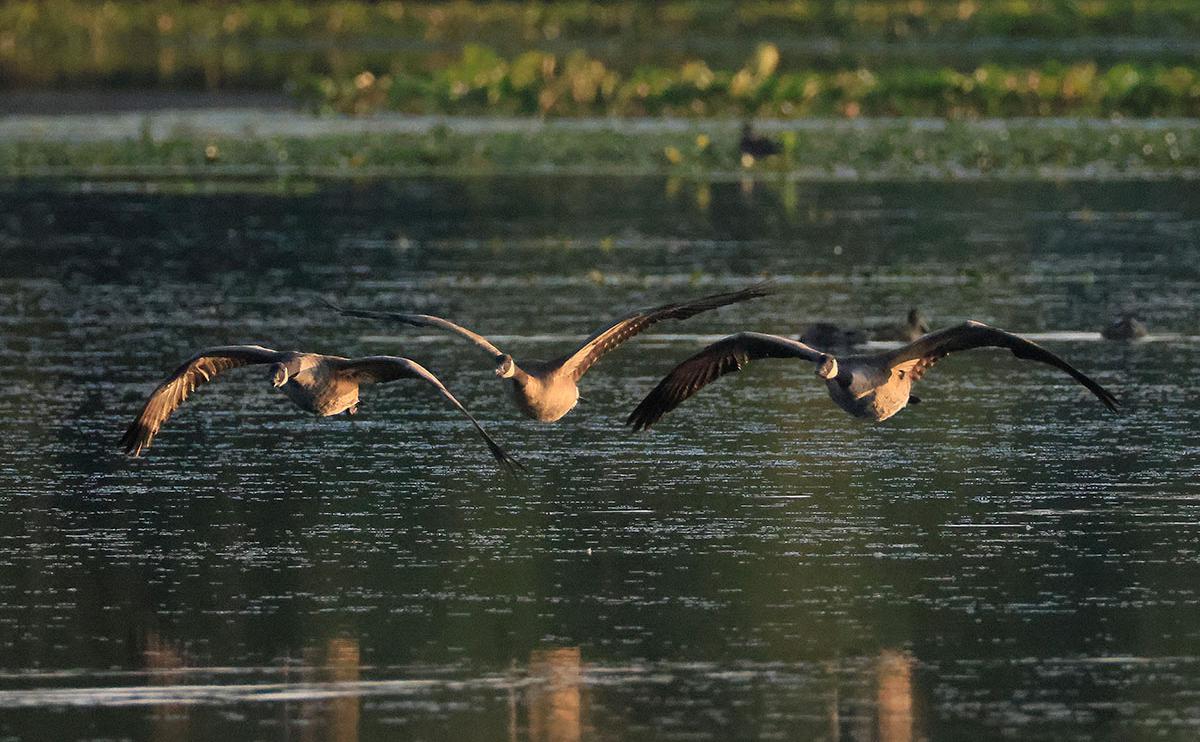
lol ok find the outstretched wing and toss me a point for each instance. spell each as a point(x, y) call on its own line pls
point(578, 362)
point(382, 369)
point(722, 357)
point(200, 368)
point(420, 320)
point(923, 352)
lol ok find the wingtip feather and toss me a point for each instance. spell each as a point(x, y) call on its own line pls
point(1111, 402)
point(136, 439)
point(508, 463)
point(643, 416)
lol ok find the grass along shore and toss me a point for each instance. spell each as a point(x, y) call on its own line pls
point(953, 58)
point(482, 82)
point(295, 145)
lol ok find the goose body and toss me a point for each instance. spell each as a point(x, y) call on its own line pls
point(872, 392)
point(874, 387)
point(547, 390)
point(321, 384)
point(319, 388)
point(543, 397)
point(1128, 327)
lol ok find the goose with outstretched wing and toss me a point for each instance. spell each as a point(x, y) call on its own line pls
point(869, 386)
point(547, 390)
point(320, 384)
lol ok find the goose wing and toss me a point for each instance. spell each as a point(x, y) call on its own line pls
point(421, 320)
point(922, 353)
point(578, 362)
point(382, 369)
point(722, 357)
point(200, 368)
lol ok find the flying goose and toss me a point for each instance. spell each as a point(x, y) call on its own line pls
point(871, 386)
point(1129, 327)
point(320, 384)
point(547, 390)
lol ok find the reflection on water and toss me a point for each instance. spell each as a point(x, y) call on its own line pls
point(554, 700)
point(337, 719)
point(163, 661)
point(894, 702)
point(882, 711)
point(547, 697)
point(1004, 559)
point(327, 684)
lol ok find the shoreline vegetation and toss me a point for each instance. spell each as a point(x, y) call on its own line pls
point(951, 58)
point(481, 82)
point(295, 145)
point(870, 89)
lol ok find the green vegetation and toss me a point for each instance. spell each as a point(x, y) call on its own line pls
point(481, 82)
point(76, 22)
point(625, 58)
point(711, 61)
point(835, 149)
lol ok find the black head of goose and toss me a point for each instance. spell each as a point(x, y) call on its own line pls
point(547, 390)
point(320, 384)
point(870, 386)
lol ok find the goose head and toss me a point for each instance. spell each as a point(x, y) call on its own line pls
point(827, 367)
point(279, 375)
point(506, 368)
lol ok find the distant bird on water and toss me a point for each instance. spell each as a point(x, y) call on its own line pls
point(1129, 327)
point(320, 384)
point(755, 147)
point(914, 327)
point(868, 386)
point(547, 390)
point(829, 337)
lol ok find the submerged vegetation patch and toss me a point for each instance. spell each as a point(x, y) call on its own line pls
point(875, 149)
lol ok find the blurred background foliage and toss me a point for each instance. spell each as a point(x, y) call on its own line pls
point(952, 58)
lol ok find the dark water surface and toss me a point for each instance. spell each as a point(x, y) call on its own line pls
point(1007, 559)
